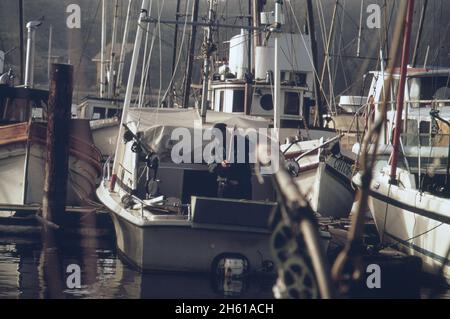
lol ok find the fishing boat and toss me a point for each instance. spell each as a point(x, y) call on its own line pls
point(409, 194)
point(167, 214)
point(323, 173)
point(23, 144)
point(23, 151)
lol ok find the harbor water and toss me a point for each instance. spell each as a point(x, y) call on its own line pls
point(24, 264)
point(105, 275)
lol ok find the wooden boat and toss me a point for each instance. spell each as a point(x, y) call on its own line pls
point(23, 151)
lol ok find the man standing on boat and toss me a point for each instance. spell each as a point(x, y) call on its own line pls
point(233, 178)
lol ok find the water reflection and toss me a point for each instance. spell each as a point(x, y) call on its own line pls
point(22, 275)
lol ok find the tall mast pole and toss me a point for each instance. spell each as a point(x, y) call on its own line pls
point(250, 63)
point(122, 49)
point(129, 92)
point(401, 90)
point(277, 73)
point(249, 42)
point(112, 58)
point(175, 37)
point(358, 47)
point(175, 45)
point(102, 51)
point(207, 60)
point(190, 63)
point(21, 39)
point(312, 35)
point(49, 58)
point(256, 34)
point(419, 33)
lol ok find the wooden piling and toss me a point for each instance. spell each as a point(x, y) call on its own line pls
point(58, 134)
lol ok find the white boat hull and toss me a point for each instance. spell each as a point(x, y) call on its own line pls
point(104, 134)
point(328, 191)
point(173, 243)
point(419, 223)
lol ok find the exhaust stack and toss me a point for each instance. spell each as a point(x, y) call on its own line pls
point(29, 66)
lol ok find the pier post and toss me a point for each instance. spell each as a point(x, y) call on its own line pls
point(58, 135)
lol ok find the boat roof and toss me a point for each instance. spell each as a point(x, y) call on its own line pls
point(23, 93)
point(157, 125)
point(420, 72)
point(188, 118)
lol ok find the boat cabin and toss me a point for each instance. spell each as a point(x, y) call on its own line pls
point(19, 104)
point(229, 87)
point(94, 108)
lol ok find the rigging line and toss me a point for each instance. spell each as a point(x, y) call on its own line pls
point(160, 59)
point(327, 57)
point(308, 52)
point(78, 78)
point(180, 53)
point(147, 66)
point(144, 60)
point(340, 49)
point(322, 24)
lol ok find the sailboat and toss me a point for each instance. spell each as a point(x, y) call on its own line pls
point(409, 195)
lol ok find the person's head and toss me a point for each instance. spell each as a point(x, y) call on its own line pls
point(222, 128)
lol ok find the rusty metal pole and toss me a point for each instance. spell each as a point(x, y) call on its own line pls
point(401, 90)
point(58, 135)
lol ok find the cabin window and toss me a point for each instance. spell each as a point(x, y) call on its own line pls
point(221, 100)
point(266, 102)
point(112, 112)
point(429, 88)
point(99, 113)
point(300, 79)
point(292, 103)
point(238, 101)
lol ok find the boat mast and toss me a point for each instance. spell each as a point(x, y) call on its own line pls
point(277, 73)
point(250, 62)
point(175, 38)
point(419, 33)
point(102, 51)
point(312, 35)
point(207, 47)
point(129, 92)
point(190, 63)
point(358, 46)
point(49, 58)
point(401, 91)
point(256, 33)
point(22, 70)
point(112, 58)
point(249, 42)
point(122, 49)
